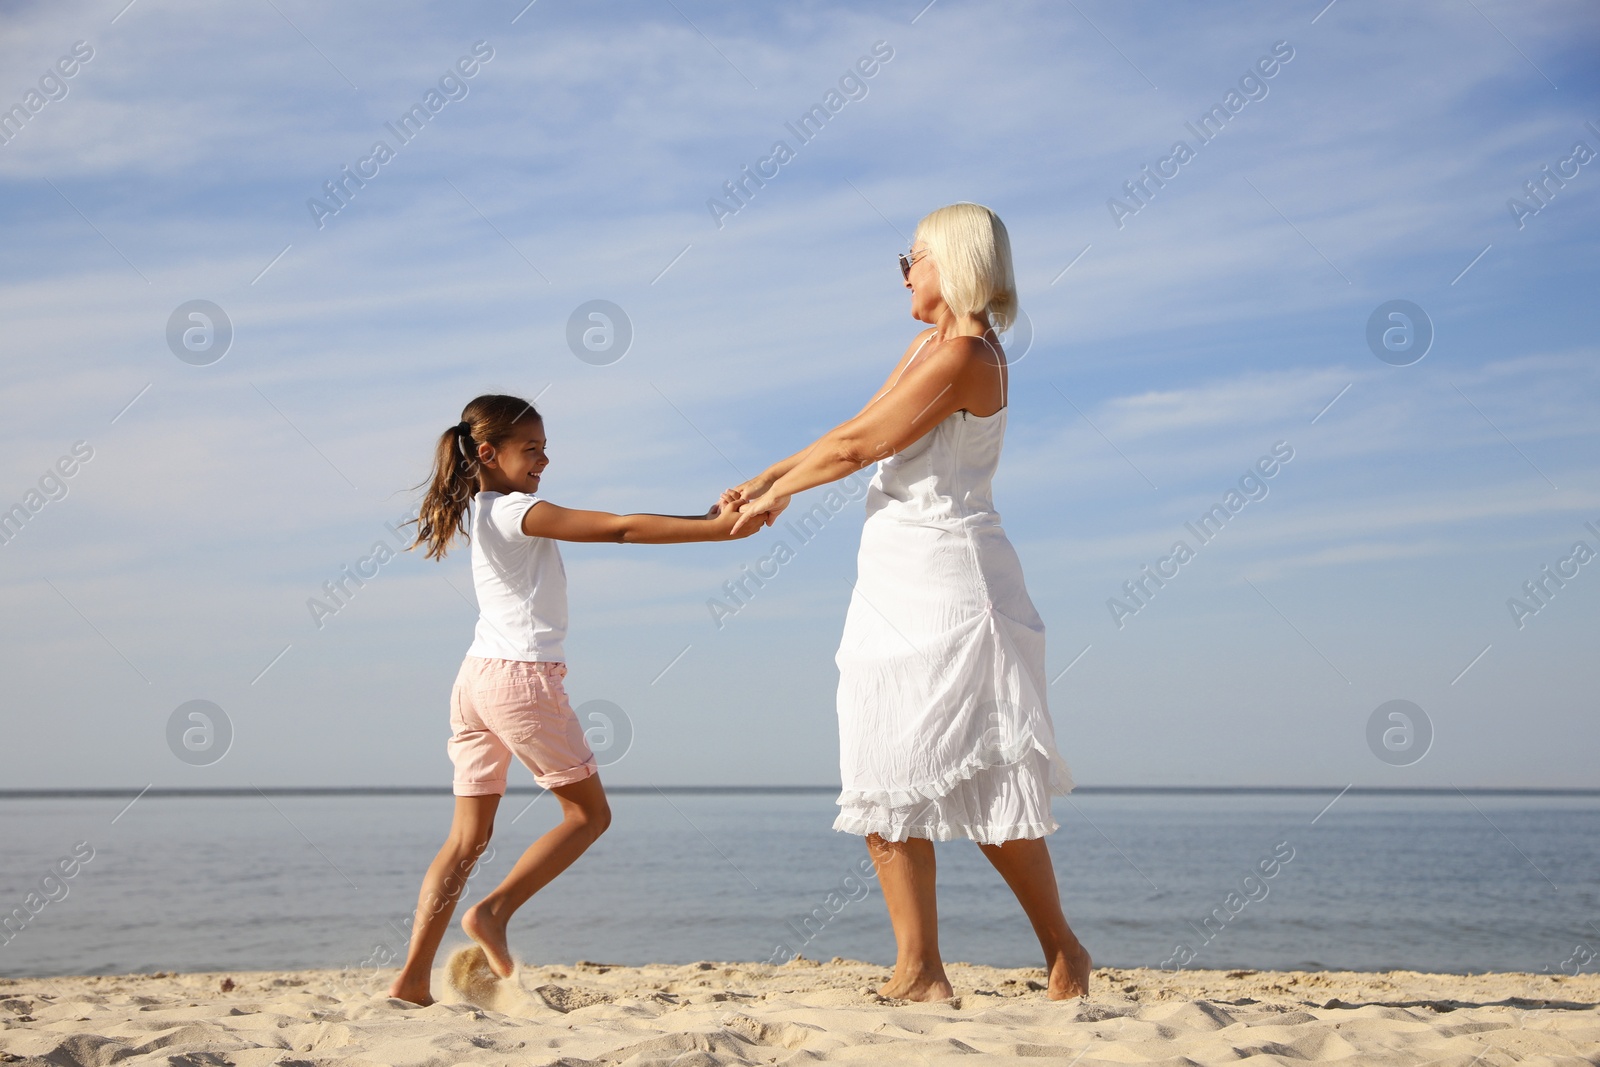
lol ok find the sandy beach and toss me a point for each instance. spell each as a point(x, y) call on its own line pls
point(732, 1013)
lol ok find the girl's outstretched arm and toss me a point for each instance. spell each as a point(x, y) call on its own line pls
point(545, 519)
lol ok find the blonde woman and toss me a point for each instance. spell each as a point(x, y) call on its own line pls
point(944, 730)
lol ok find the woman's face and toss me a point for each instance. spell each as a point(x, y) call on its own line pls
point(923, 281)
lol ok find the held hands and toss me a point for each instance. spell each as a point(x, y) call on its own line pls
point(744, 509)
point(749, 492)
point(728, 496)
point(725, 517)
point(753, 488)
point(758, 509)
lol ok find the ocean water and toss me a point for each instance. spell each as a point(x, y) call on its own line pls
point(1374, 882)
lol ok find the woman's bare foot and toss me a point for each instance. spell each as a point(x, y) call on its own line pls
point(920, 984)
point(412, 992)
point(1069, 973)
point(489, 931)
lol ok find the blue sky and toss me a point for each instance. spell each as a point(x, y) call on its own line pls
point(1227, 314)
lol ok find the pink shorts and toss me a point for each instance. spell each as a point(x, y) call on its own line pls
point(501, 708)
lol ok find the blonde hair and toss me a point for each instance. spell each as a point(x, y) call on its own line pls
point(973, 251)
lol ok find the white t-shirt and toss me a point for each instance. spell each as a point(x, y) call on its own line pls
point(520, 581)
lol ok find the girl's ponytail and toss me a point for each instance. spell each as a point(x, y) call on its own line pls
point(488, 419)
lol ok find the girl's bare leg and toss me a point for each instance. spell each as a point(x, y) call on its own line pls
point(584, 817)
point(441, 888)
point(906, 873)
point(1026, 867)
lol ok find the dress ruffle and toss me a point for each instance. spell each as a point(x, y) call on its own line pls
point(1059, 779)
point(991, 805)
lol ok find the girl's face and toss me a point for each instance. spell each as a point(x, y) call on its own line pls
point(515, 464)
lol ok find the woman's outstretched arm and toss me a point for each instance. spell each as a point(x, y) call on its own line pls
point(928, 393)
point(762, 482)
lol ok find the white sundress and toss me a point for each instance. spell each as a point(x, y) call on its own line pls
point(944, 728)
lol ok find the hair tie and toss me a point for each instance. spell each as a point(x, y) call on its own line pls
point(463, 431)
point(464, 428)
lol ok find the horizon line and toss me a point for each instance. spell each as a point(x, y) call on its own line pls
point(627, 790)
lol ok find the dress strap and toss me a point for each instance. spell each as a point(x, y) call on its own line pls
point(910, 361)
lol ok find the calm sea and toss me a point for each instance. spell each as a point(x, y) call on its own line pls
point(1457, 882)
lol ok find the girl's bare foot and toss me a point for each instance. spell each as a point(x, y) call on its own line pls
point(489, 931)
point(1069, 973)
point(920, 984)
point(412, 992)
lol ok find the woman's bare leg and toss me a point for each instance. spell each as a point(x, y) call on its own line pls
point(907, 873)
point(441, 888)
point(584, 817)
point(1026, 867)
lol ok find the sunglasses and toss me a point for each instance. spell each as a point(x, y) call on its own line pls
point(908, 258)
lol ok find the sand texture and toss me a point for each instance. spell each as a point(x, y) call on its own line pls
point(704, 1014)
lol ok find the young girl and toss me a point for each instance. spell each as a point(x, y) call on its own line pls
point(508, 699)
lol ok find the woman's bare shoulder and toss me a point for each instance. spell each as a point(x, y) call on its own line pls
point(966, 351)
point(973, 344)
